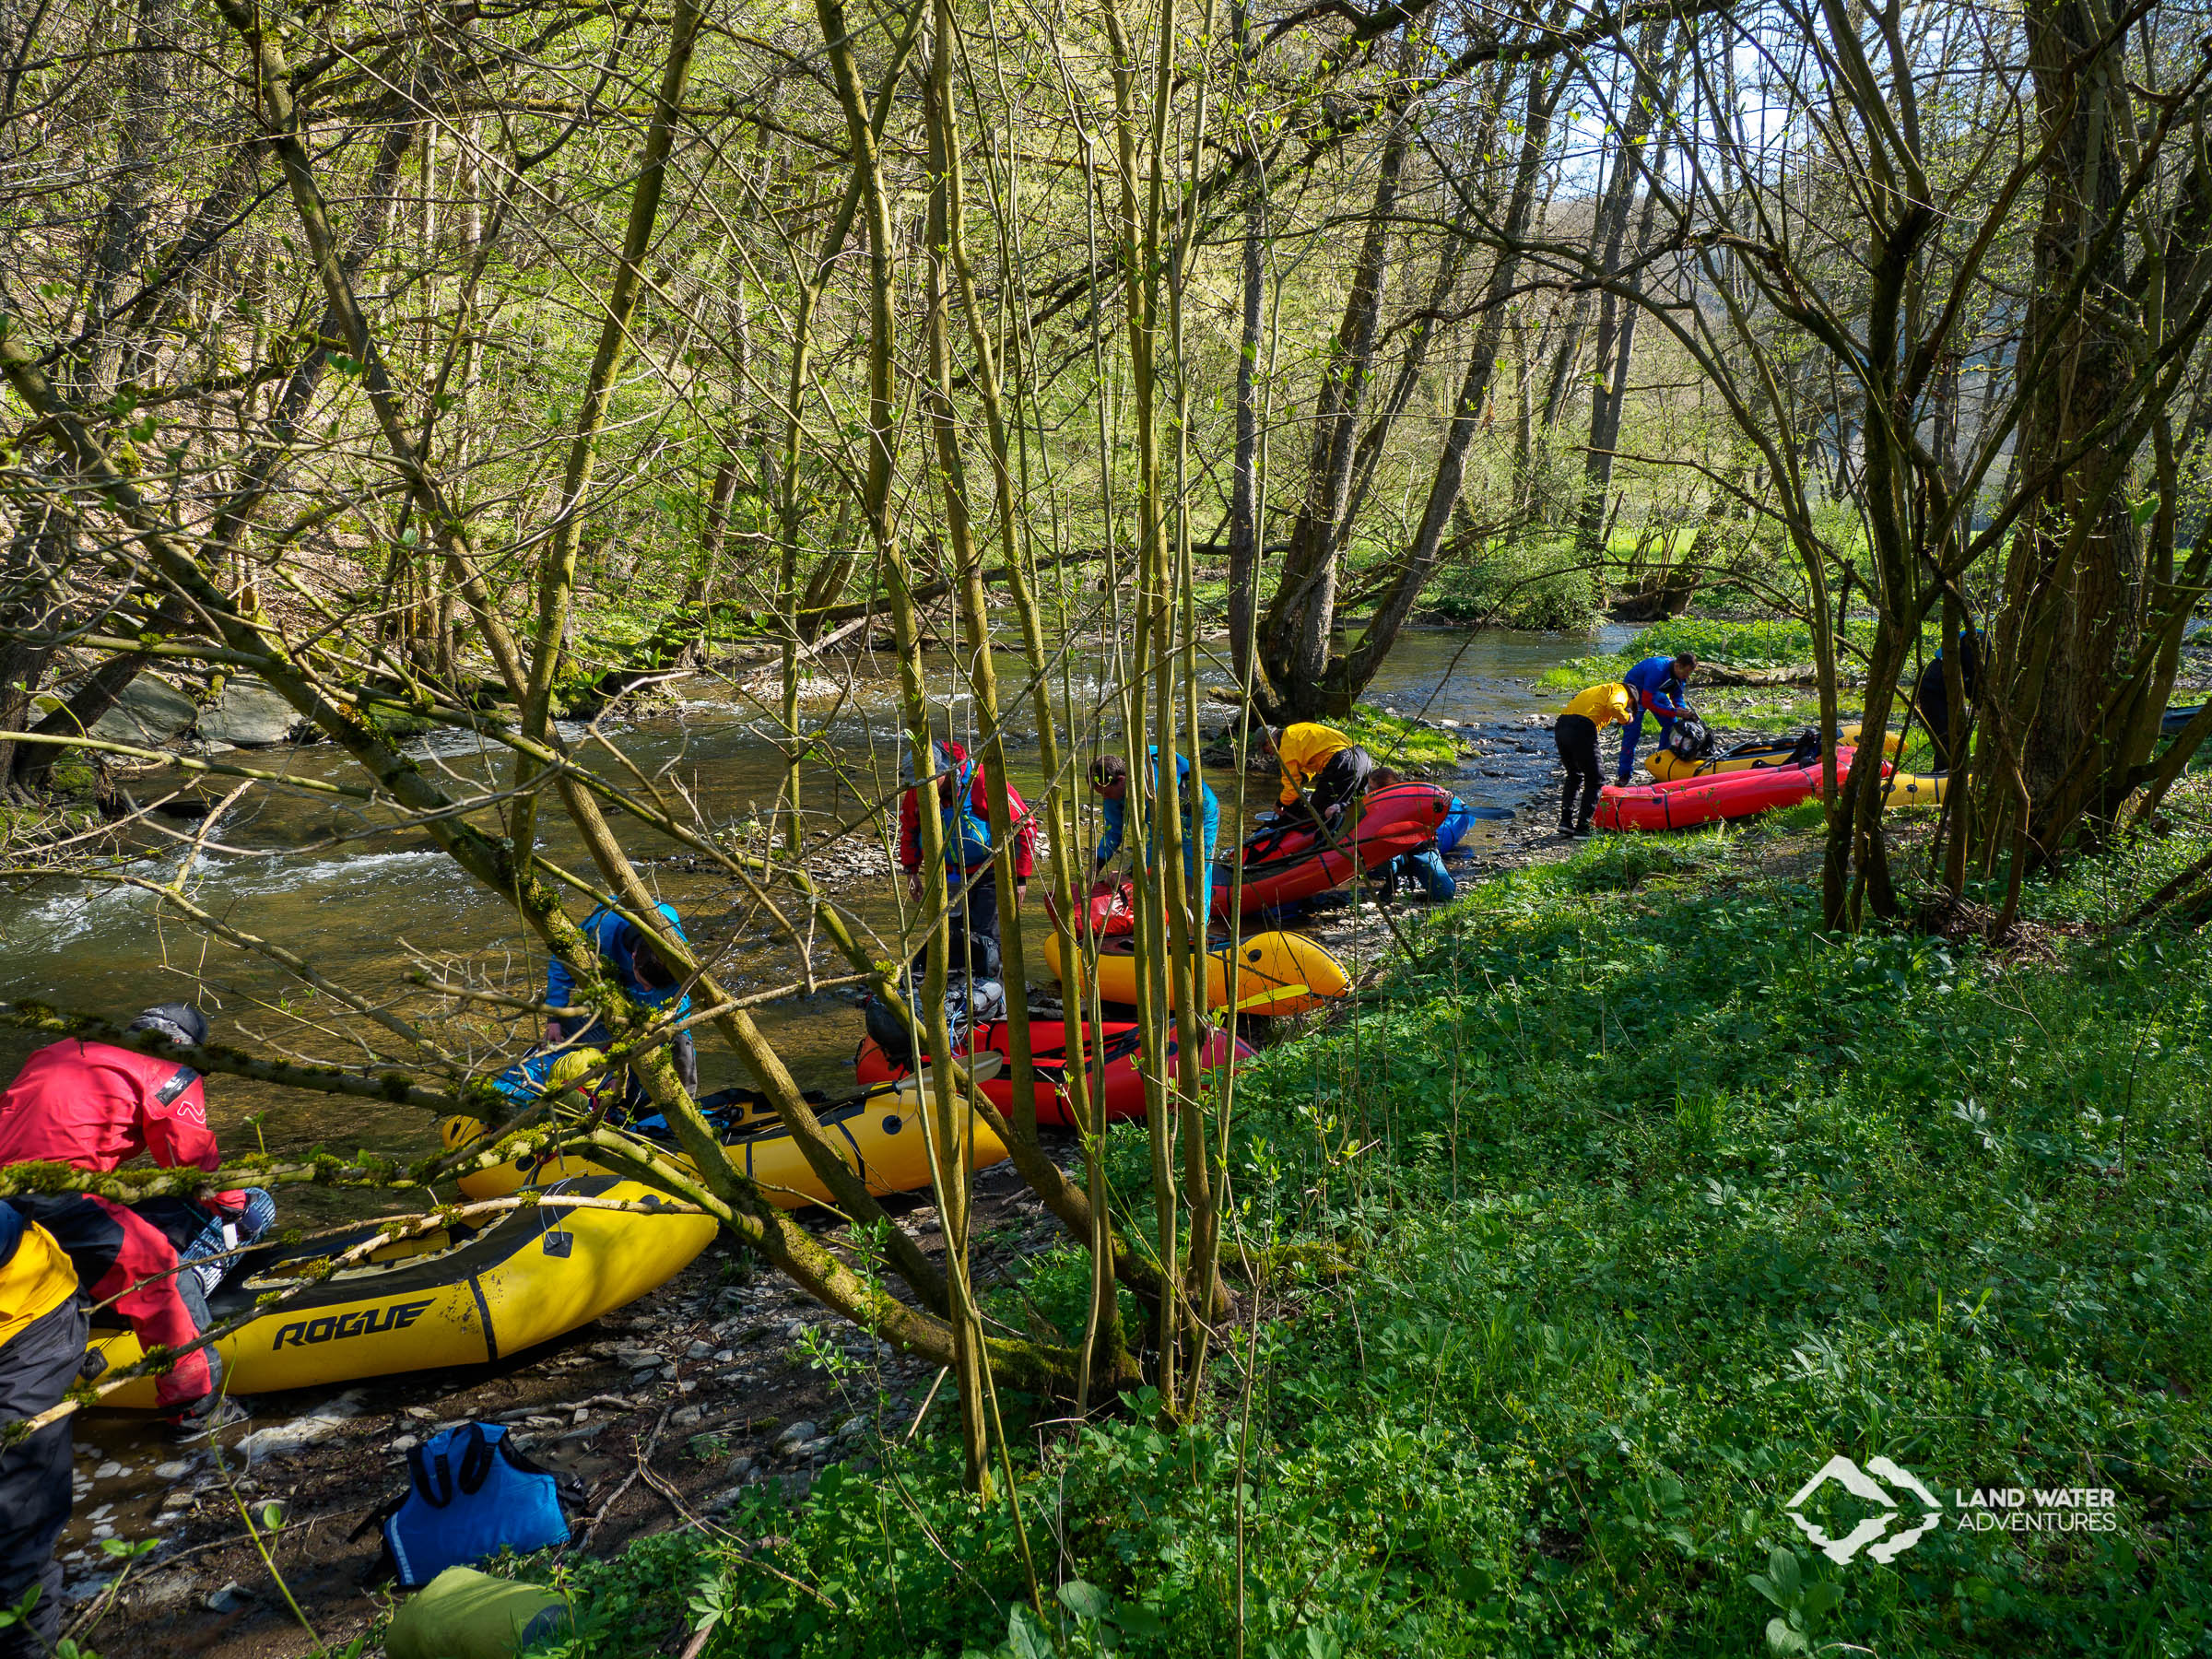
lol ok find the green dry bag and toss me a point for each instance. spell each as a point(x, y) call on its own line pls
point(463, 1614)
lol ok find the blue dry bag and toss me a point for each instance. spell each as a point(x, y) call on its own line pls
point(471, 1494)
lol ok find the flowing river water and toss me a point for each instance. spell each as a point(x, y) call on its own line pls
point(367, 903)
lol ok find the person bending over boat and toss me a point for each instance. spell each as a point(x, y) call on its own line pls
point(964, 809)
point(1575, 733)
point(41, 1345)
point(1424, 864)
point(1110, 778)
point(1657, 686)
point(1320, 758)
point(645, 978)
point(98, 1106)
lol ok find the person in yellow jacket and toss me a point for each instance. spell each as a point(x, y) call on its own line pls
point(1321, 757)
point(1576, 735)
point(41, 1347)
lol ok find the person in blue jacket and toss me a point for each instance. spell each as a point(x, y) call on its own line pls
point(1657, 684)
point(1110, 778)
point(645, 979)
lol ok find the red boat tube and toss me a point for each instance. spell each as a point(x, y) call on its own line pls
point(1688, 802)
point(1122, 1083)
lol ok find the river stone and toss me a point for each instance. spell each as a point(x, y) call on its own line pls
point(248, 715)
point(162, 1589)
point(149, 713)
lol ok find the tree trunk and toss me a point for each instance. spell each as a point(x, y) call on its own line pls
point(122, 242)
point(1294, 637)
point(1350, 674)
point(2074, 580)
point(1617, 314)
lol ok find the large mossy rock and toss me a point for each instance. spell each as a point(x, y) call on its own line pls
point(149, 713)
point(248, 715)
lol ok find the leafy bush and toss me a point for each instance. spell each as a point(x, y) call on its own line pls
point(1534, 583)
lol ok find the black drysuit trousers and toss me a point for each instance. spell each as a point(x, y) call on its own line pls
point(37, 1366)
point(1577, 736)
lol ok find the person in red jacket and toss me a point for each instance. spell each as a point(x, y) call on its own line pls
point(98, 1106)
point(964, 807)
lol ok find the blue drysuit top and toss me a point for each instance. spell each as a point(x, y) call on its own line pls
point(618, 942)
point(1116, 817)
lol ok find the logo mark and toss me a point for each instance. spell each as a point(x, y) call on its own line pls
point(397, 1316)
point(1870, 1534)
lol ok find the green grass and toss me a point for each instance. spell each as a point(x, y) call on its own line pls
point(1393, 741)
point(1659, 1198)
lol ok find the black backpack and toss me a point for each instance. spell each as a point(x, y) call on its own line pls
point(974, 994)
point(1689, 739)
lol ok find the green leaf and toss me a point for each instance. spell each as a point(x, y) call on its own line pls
point(1781, 1638)
point(1136, 1619)
point(1023, 1636)
point(272, 1516)
point(1087, 1600)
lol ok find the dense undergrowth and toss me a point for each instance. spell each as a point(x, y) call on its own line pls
point(1657, 1200)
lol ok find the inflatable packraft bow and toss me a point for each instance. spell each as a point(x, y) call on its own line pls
point(1277, 973)
point(1688, 802)
point(876, 1135)
point(460, 1297)
point(1113, 1054)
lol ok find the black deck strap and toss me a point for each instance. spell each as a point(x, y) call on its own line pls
point(491, 1343)
point(437, 1493)
point(182, 1078)
point(476, 1463)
